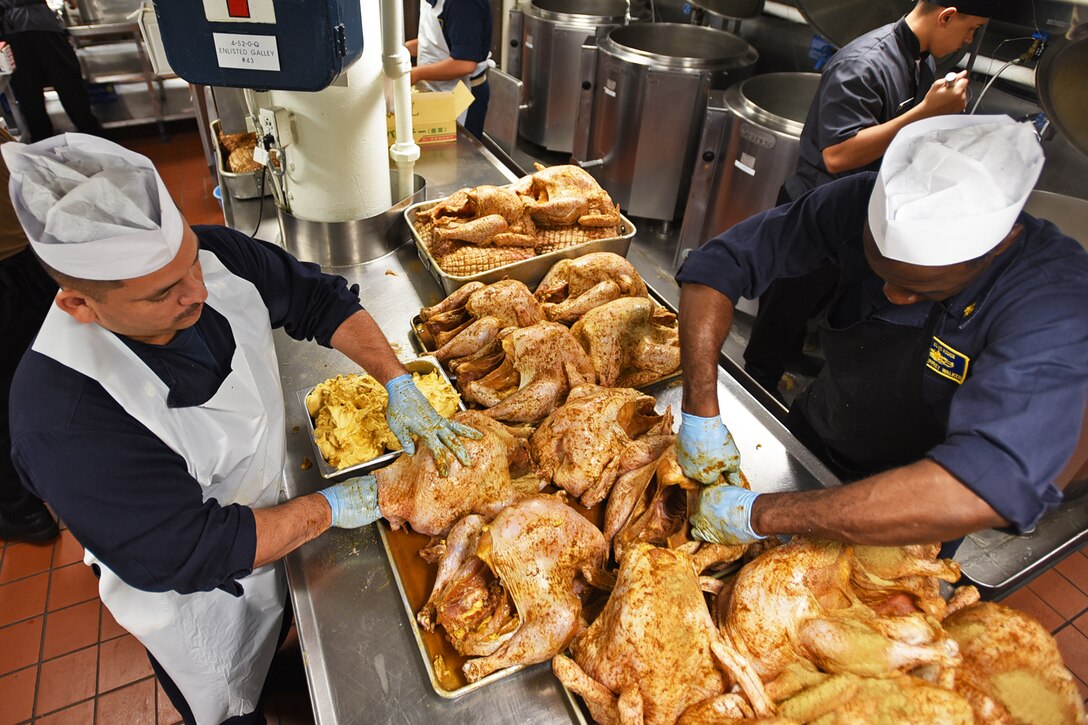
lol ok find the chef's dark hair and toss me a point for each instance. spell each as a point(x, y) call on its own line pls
point(980, 8)
point(96, 289)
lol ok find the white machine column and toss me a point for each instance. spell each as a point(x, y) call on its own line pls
point(338, 163)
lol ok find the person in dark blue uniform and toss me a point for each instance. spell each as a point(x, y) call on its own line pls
point(957, 346)
point(454, 44)
point(26, 294)
point(869, 90)
point(148, 413)
point(43, 57)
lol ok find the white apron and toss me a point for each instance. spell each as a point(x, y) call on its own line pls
point(433, 48)
point(216, 647)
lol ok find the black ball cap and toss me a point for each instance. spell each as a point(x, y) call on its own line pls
point(981, 8)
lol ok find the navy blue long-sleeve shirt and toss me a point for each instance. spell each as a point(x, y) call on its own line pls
point(870, 81)
point(1013, 423)
point(466, 26)
point(125, 494)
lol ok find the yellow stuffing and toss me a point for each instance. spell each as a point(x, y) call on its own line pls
point(348, 412)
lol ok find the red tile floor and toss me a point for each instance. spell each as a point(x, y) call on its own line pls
point(63, 659)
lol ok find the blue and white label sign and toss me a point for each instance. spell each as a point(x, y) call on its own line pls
point(247, 52)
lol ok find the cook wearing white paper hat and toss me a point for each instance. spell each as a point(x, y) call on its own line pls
point(93, 209)
point(149, 413)
point(956, 379)
point(950, 189)
point(870, 89)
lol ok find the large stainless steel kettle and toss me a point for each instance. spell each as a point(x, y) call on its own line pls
point(1061, 80)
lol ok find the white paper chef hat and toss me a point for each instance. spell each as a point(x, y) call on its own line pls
point(93, 209)
point(950, 187)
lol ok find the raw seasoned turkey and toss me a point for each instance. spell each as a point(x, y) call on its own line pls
point(1012, 671)
point(411, 491)
point(651, 505)
point(654, 652)
point(484, 215)
point(509, 592)
point(233, 141)
point(467, 323)
point(626, 345)
point(597, 437)
point(573, 287)
point(563, 195)
point(538, 367)
point(848, 699)
point(241, 160)
point(915, 574)
point(796, 605)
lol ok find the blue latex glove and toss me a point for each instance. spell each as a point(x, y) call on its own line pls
point(409, 412)
point(705, 449)
point(354, 502)
point(724, 515)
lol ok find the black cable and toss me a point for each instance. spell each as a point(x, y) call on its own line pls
point(260, 202)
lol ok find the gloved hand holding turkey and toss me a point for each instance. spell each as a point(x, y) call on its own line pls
point(354, 502)
point(409, 413)
point(705, 450)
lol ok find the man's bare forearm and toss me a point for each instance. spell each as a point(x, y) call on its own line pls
point(282, 529)
point(706, 315)
point(360, 338)
point(918, 503)
point(867, 145)
point(443, 70)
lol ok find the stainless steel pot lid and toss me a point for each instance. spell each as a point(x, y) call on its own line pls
point(732, 8)
point(840, 21)
point(1061, 80)
point(581, 10)
point(677, 45)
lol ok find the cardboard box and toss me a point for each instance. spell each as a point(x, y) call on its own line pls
point(434, 115)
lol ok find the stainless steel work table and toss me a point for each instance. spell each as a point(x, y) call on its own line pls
point(361, 658)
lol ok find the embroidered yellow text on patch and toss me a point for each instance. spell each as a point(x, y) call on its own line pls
point(947, 361)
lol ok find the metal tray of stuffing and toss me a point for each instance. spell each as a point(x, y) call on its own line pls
point(421, 365)
point(415, 579)
point(531, 270)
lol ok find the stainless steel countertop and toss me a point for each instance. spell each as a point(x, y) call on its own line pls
point(362, 662)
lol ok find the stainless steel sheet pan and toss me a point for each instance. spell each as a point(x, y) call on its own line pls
point(529, 271)
point(423, 366)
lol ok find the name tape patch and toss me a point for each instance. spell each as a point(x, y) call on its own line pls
point(947, 361)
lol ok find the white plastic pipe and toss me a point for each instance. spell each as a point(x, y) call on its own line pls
point(338, 165)
point(989, 66)
point(397, 63)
